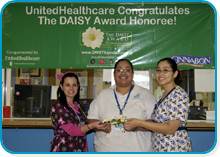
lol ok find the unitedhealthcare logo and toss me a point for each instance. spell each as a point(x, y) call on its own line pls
point(197, 61)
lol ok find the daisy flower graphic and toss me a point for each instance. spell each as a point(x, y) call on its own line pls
point(92, 37)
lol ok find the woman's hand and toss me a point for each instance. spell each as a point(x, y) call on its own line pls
point(106, 127)
point(99, 126)
point(131, 124)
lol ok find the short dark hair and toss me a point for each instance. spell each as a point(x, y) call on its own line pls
point(126, 60)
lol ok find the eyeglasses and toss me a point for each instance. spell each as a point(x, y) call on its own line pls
point(165, 71)
point(121, 70)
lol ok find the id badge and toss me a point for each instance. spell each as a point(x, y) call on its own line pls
point(118, 128)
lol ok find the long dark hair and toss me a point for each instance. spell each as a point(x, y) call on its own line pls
point(61, 97)
point(126, 60)
point(174, 67)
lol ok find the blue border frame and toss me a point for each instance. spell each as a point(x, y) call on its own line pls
point(121, 1)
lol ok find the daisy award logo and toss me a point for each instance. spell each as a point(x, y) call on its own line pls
point(92, 38)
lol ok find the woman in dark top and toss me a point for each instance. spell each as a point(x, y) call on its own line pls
point(68, 119)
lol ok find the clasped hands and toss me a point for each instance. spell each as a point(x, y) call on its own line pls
point(101, 126)
point(130, 125)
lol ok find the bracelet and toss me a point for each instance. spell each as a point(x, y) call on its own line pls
point(88, 126)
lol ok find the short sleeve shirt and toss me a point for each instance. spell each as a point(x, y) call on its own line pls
point(174, 107)
point(139, 105)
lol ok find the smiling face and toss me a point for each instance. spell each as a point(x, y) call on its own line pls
point(123, 74)
point(70, 88)
point(165, 75)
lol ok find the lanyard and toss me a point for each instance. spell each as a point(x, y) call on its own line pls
point(126, 101)
point(77, 113)
point(162, 99)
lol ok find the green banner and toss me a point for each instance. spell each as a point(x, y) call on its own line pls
point(95, 35)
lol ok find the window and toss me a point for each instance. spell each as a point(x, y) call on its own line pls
point(30, 92)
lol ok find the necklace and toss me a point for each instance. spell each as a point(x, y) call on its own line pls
point(126, 101)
